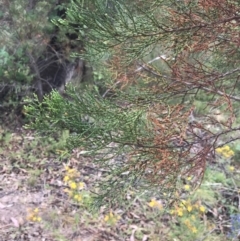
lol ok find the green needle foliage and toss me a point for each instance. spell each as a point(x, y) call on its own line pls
point(165, 57)
point(119, 135)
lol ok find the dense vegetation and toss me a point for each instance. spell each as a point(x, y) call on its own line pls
point(35, 54)
point(170, 61)
point(159, 116)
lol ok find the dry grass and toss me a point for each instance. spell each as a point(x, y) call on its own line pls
point(34, 204)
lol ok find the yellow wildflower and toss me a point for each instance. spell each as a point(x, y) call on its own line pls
point(33, 215)
point(78, 197)
point(194, 230)
point(183, 203)
point(106, 218)
point(228, 154)
point(71, 172)
point(154, 203)
point(189, 208)
point(73, 185)
point(111, 218)
point(231, 168)
point(225, 151)
point(172, 211)
point(202, 209)
point(180, 212)
point(66, 178)
point(187, 187)
point(219, 150)
point(36, 210)
point(226, 148)
point(36, 219)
